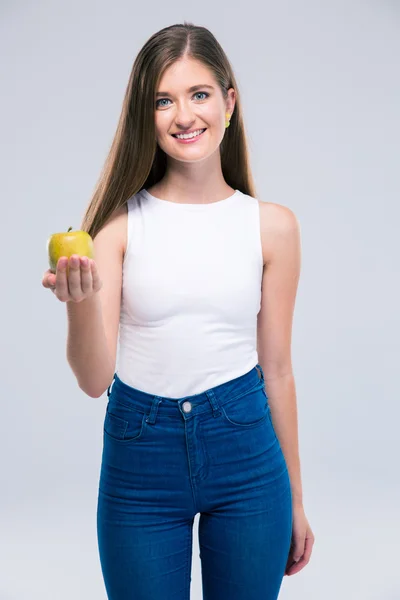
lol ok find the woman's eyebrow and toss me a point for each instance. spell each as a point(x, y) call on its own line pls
point(191, 89)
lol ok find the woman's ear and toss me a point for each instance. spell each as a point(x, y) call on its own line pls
point(231, 100)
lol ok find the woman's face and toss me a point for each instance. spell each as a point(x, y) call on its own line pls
point(179, 109)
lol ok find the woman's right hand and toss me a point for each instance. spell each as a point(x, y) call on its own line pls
point(82, 281)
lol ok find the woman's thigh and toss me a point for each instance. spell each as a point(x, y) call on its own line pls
point(243, 555)
point(143, 558)
point(245, 524)
point(145, 507)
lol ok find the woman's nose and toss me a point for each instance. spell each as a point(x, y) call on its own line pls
point(184, 116)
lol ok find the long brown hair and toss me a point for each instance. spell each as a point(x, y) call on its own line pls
point(135, 160)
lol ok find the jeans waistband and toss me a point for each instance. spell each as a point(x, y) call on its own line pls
point(213, 397)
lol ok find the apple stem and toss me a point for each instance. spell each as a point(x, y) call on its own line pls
point(69, 229)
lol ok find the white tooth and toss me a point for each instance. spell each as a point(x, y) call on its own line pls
point(189, 135)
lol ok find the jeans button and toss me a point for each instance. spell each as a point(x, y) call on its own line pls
point(187, 407)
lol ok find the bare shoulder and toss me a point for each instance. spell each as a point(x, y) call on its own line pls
point(277, 223)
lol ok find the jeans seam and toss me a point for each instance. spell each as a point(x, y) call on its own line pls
point(187, 573)
point(128, 406)
point(246, 425)
point(125, 441)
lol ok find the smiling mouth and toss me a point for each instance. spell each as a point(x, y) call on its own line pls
point(189, 138)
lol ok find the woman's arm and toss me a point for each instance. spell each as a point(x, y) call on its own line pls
point(280, 234)
point(93, 324)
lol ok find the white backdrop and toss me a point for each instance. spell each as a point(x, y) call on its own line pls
point(320, 87)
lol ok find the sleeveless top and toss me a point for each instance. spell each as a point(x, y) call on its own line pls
point(191, 293)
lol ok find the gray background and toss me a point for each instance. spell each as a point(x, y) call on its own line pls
point(320, 87)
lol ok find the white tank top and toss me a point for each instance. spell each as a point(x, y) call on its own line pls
point(191, 292)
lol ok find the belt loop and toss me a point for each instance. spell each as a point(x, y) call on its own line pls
point(214, 403)
point(153, 411)
point(109, 387)
point(261, 372)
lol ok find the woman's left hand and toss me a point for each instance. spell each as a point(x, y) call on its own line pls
point(301, 544)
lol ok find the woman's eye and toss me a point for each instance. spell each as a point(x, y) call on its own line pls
point(206, 94)
point(162, 100)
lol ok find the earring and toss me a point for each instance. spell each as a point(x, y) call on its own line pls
point(227, 118)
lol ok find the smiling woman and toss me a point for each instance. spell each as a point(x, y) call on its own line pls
point(176, 87)
point(196, 286)
point(198, 117)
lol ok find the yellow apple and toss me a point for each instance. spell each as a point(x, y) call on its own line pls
point(68, 243)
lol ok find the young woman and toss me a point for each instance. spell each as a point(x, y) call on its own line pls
point(197, 278)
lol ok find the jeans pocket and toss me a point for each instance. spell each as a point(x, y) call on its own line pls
point(249, 410)
point(122, 423)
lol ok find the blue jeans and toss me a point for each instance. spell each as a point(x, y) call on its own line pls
point(165, 460)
